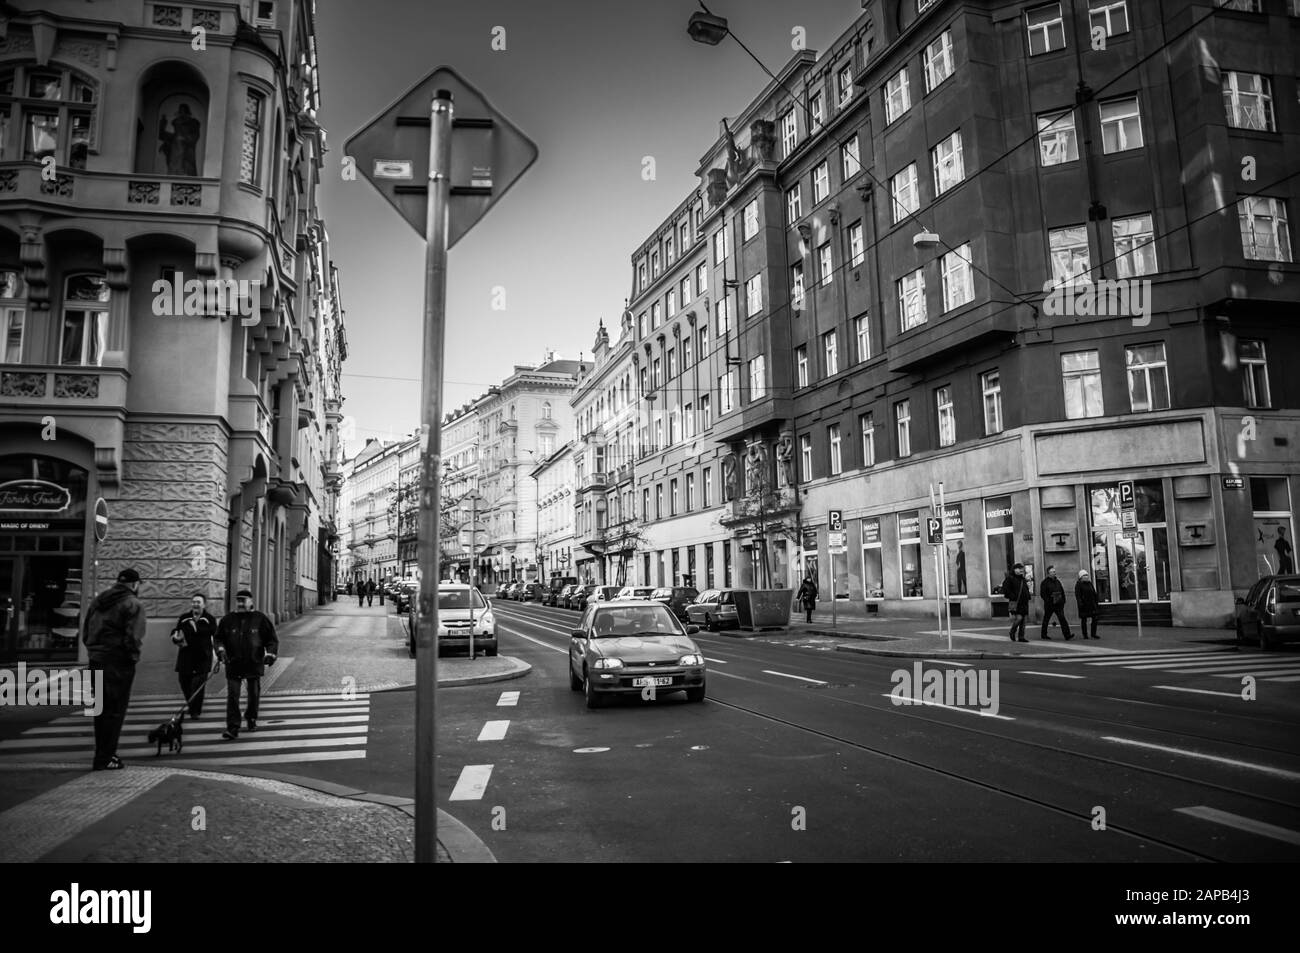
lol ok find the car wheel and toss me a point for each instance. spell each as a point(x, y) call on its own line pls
point(575, 683)
point(1265, 643)
point(708, 622)
point(593, 699)
point(695, 694)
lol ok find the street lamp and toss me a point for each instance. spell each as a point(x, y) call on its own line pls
point(707, 28)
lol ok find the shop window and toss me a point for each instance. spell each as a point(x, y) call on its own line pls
point(1001, 535)
point(1274, 534)
point(910, 565)
point(873, 570)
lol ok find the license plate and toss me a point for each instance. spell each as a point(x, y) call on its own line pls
point(647, 681)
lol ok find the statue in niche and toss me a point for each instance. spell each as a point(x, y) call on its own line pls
point(729, 476)
point(756, 465)
point(179, 144)
point(785, 459)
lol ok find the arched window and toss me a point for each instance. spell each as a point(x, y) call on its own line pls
point(83, 336)
point(546, 410)
point(172, 127)
point(13, 316)
point(51, 113)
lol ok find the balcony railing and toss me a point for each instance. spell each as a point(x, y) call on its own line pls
point(24, 384)
point(115, 191)
point(593, 482)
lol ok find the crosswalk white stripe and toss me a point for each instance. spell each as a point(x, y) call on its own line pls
point(24, 743)
point(267, 703)
point(73, 741)
point(217, 717)
point(348, 755)
point(494, 731)
point(1094, 659)
point(213, 727)
point(508, 700)
point(1171, 660)
point(472, 783)
point(1269, 674)
point(1203, 666)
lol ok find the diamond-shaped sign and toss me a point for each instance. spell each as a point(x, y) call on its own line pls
point(488, 153)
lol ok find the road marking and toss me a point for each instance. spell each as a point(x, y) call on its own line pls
point(1194, 667)
point(1197, 691)
point(1053, 674)
point(1121, 657)
point(969, 711)
point(1294, 678)
point(472, 783)
point(493, 731)
point(1266, 673)
point(349, 755)
point(508, 700)
point(768, 671)
point(545, 645)
point(1266, 769)
point(1214, 815)
point(940, 661)
point(589, 750)
point(715, 661)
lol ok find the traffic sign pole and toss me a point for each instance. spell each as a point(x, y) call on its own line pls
point(435, 321)
point(943, 545)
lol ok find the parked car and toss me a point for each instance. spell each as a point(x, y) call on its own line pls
point(1269, 615)
point(714, 609)
point(569, 595)
point(555, 589)
point(531, 592)
point(635, 592)
point(623, 648)
point(676, 598)
point(457, 601)
point(602, 594)
point(508, 590)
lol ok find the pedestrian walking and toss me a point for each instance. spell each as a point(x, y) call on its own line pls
point(1016, 590)
point(246, 644)
point(114, 632)
point(381, 591)
point(1053, 595)
point(1283, 547)
point(192, 636)
point(961, 570)
point(807, 595)
point(370, 592)
point(1085, 598)
point(361, 593)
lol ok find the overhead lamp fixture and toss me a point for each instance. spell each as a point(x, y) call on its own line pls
point(925, 240)
point(707, 28)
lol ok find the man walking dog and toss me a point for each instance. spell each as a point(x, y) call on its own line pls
point(246, 644)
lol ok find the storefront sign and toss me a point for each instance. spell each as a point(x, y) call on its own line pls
point(909, 525)
point(870, 531)
point(1234, 483)
point(997, 513)
point(33, 496)
point(952, 525)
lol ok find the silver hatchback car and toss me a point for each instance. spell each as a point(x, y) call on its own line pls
point(634, 647)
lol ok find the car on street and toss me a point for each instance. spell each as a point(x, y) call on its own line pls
point(555, 589)
point(602, 594)
point(714, 609)
point(569, 594)
point(634, 647)
point(635, 592)
point(676, 598)
point(1269, 614)
point(462, 612)
point(510, 590)
point(531, 592)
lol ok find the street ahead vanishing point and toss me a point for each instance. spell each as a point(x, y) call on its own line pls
point(442, 183)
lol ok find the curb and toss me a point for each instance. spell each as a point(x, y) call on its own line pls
point(519, 670)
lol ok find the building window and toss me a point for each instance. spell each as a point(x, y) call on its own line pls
point(757, 377)
point(947, 416)
point(1121, 125)
point(749, 221)
point(672, 302)
point(688, 352)
point(546, 410)
point(1069, 255)
point(753, 296)
point(946, 160)
point(656, 315)
point(857, 254)
point(824, 265)
point(1148, 377)
point(55, 111)
point(688, 419)
point(937, 60)
point(659, 434)
point(999, 530)
point(690, 492)
point(903, 427)
point(686, 291)
point(1081, 377)
point(1058, 142)
point(1135, 248)
point(654, 263)
point(867, 425)
point(862, 326)
point(818, 113)
point(659, 501)
point(873, 570)
point(723, 320)
point(641, 277)
point(1111, 17)
point(672, 497)
point(903, 188)
point(672, 363)
point(668, 250)
point(911, 299)
point(958, 283)
point(726, 385)
point(641, 325)
point(801, 366)
point(707, 489)
point(684, 235)
point(1254, 373)
point(796, 285)
point(546, 444)
point(805, 457)
point(1264, 232)
point(656, 374)
point(850, 164)
point(704, 341)
point(250, 154)
point(13, 316)
point(833, 442)
point(1046, 29)
point(991, 385)
point(720, 246)
point(898, 96)
point(831, 350)
point(706, 411)
point(84, 334)
point(821, 182)
point(793, 205)
point(910, 565)
point(701, 278)
point(844, 85)
point(789, 133)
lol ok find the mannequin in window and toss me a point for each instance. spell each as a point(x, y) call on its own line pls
point(178, 145)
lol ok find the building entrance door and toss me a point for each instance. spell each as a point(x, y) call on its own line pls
point(1125, 570)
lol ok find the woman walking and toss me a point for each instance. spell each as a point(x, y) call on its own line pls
point(192, 635)
point(807, 595)
point(1085, 597)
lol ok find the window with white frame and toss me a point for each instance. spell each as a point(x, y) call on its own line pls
point(937, 60)
point(826, 270)
point(84, 331)
point(1265, 235)
point(1121, 125)
point(1046, 29)
point(688, 351)
point(726, 388)
point(757, 377)
point(674, 426)
point(903, 427)
point(1254, 373)
point(862, 326)
point(669, 257)
point(1081, 378)
point(13, 316)
point(902, 187)
point(654, 263)
point(684, 233)
point(656, 378)
point(991, 387)
point(844, 84)
point(641, 325)
point(690, 492)
point(707, 489)
point(753, 296)
point(831, 352)
point(1248, 101)
point(706, 411)
point(947, 416)
point(833, 443)
point(688, 419)
point(672, 302)
point(656, 315)
point(948, 164)
point(821, 182)
point(1058, 142)
point(659, 434)
point(816, 110)
point(911, 299)
point(898, 96)
point(1148, 377)
point(723, 319)
point(789, 133)
point(1069, 255)
point(749, 222)
point(867, 427)
point(672, 363)
point(793, 204)
point(958, 281)
point(1135, 247)
point(857, 253)
point(850, 164)
point(801, 366)
point(701, 278)
point(720, 246)
point(796, 286)
point(805, 457)
point(1111, 17)
point(704, 341)
point(686, 291)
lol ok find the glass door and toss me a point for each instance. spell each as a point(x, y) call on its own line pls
point(8, 606)
point(1124, 569)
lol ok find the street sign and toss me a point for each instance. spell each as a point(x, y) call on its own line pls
point(1127, 500)
point(1234, 483)
point(934, 529)
point(101, 519)
point(472, 535)
point(835, 542)
point(1128, 519)
point(1131, 533)
point(835, 520)
point(490, 154)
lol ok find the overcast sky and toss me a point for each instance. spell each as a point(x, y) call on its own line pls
point(597, 85)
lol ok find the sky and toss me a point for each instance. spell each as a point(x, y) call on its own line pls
point(598, 85)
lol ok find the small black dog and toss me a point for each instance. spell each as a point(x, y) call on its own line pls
point(170, 733)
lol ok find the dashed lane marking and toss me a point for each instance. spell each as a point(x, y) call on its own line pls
point(472, 783)
point(1197, 691)
point(1232, 762)
point(815, 681)
point(494, 731)
point(1248, 824)
point(970, 711)
point(1052, 674)
point(508, 700)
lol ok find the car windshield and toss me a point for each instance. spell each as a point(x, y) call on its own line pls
point(460, 599)
point(1288, 593)
point(617, 622)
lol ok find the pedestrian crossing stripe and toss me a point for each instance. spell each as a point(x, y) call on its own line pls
point(1215, 664)
point(1120, 658)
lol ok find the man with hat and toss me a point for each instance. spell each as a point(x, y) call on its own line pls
point(246, 643)
point(114, 631)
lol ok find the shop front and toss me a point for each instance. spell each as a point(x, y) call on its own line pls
point(1132, 566)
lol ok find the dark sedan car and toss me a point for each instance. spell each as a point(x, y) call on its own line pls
point(634, 647)
point(531, 592)
point(676, 598)
point(1269, 615)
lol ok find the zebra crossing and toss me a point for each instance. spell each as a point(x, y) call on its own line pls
point(1215, 664)
point(290, 729)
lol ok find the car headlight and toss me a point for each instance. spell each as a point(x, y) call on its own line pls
point(691, 660)
point(608, 663)
point(486, 620)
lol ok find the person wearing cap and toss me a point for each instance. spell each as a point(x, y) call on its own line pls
point(1085, 597)
point(113, 633)
point(1016, 589)
point(246, 643)
point(1053, 595)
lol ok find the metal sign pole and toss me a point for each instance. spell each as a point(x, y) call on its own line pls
point(435, 306)
point(938, 581)
point(473, 544)
point(943, 545)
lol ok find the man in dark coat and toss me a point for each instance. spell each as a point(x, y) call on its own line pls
point(1016, 590)
point(192, 636)
point(114, 631)
point(807, 596)
point(246, 644)
point(1085, 597)
point(370, 592)
point(1053, 594)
